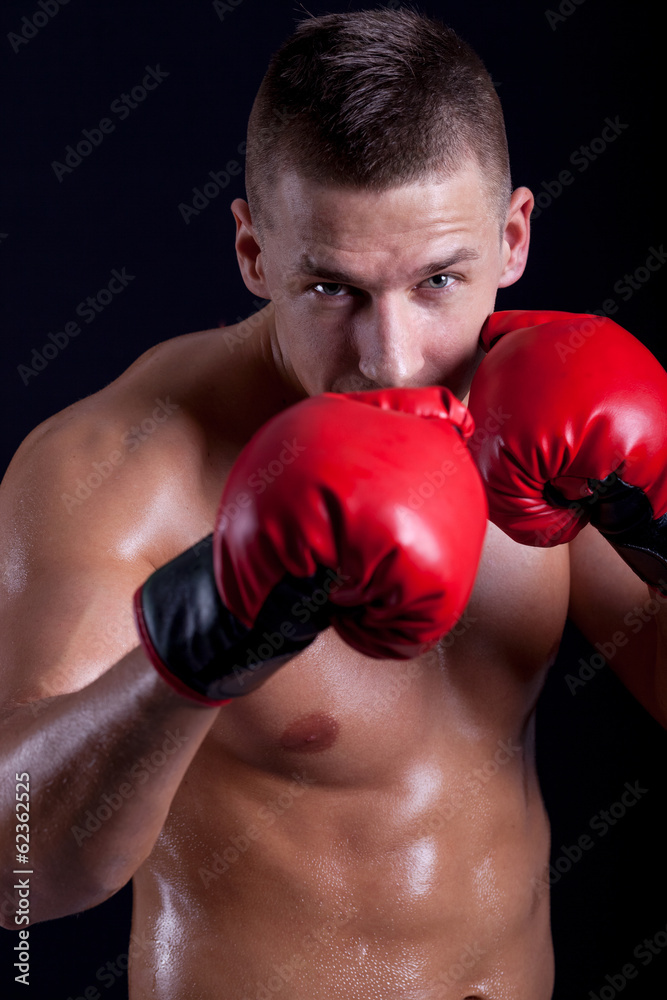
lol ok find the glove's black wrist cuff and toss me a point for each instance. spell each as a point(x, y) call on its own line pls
point(624, 515)
point(201, 649)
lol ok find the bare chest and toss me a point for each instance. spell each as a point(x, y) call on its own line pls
point(349, 717)
point(403, 792)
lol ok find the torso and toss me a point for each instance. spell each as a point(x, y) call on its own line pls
point(355, 827)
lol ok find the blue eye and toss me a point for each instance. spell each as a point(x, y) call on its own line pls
point(330, 288)
point(439, 280)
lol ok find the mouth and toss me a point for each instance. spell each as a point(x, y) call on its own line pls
point(353, 383)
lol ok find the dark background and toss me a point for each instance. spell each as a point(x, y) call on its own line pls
point(559, 76)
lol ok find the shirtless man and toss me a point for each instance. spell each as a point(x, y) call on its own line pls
point(355, 826)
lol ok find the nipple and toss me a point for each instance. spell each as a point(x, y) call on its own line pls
point(310, 733)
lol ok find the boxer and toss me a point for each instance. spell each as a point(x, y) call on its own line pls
point(274, 670)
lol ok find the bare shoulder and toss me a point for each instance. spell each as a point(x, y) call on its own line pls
point(100, 455)
point(94, 499)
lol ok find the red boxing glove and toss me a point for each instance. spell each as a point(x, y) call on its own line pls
point(319, 526)
point(585, 436)
point(342, 473)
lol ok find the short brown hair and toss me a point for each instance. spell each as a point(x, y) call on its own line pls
point(372, 100)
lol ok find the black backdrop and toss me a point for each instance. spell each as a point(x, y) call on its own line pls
point(564, 73)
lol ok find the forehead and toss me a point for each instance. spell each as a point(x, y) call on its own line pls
point(311, 217)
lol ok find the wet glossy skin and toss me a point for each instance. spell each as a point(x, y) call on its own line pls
point(355, 828)
point(390, 808)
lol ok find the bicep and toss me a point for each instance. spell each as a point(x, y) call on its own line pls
point(65, 628)
point(617, 613)
point(65, 593)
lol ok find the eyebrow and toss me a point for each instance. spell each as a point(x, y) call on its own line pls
point(308, 265)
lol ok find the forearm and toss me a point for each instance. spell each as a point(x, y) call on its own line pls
point(104, 764)
point(637, 653)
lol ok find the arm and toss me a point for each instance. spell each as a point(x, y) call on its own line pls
point(627, 620)
point(88, 756)
point(81, 704)
point(403, 578)
point(584, 441)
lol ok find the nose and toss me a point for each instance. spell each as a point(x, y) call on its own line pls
point(388, 345)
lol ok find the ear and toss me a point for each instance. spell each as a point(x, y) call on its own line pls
point(248, 250)
point(516, 237)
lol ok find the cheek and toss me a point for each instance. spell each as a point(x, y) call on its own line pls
point(306, 343)
point(458, 334)
point(306, 339)
point(314, 335)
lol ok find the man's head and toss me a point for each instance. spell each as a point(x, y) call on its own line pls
point(376, 152)
point(372, 100)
